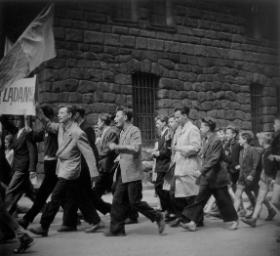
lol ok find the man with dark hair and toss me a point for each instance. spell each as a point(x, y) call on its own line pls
point(162, 154)
point(24, 164)
point(186, 159)
point(50, 147)
point(232, 151)
point(128, 190)
point(70, 206)
point(72, 143)
point(213, 180)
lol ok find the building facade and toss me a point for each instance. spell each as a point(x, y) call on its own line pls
point(218, 57)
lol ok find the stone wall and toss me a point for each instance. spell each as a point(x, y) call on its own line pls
point(205, 61)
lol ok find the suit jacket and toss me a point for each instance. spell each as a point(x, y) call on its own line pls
point(232, 157)
point(87, 128)
point(164, 148)
point(25, 150)
point(107, 156)
point(72, 143)
point(249, 161)
point(130, 161)
point(213, 170)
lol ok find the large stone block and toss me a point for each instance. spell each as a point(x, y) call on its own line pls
point(93, 37)
point(112, 39)
point(141, 43)
point(122, 79)
point(87, 86)
point(155, 44)
point(74, 35)
point(128, 41)
point(68, 85)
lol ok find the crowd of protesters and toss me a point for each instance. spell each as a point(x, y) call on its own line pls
point(197, 171)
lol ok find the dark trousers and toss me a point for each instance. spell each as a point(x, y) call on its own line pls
point(223, 200)
point(71, 189)
point(164, 196)
point(44, 191)
point(84, 181)
point(16, 188)
point(234, 178)
point(126, 196)
point(179, 203)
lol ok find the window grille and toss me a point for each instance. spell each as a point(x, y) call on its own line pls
point(144, 102)
point(256, 107)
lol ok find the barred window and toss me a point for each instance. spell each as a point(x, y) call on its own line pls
point(256, 107)
point(144, 102)
point(278, 99)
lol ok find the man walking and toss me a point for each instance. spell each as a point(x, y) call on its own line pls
point(128, 191)
point(72, 143)
point(213, 181)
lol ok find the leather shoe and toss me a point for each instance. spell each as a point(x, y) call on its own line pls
point(271, 215)
point(161, 223)
point(24, 243)
point(175, 223)
point(250, 222)
point(64, 228)
point(39, 231)
point(191, 226)
point(95, 227)
point(234, 225)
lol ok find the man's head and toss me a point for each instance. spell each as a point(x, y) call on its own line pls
point(231, 132)
point(19, 122)
point(264, 138)
point(123, 116)
point(207, 126)
point(276, 124)
point(181, 115)
point(221, 133)
point(245, 137)
point(79, 113)
point(104, 120)
point(8, 140)
point(172, 123)
point(65, 114)
point(161, 122)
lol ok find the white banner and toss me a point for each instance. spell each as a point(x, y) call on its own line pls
point(18, 98)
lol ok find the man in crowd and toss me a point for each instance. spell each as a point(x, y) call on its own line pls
point(24, 164)
point(186, 148)
point(70, 206)
point(213, 180)
point(128, 190)
point(232, 150)
point(50, 179)
point(72, 143)
point(163, 156)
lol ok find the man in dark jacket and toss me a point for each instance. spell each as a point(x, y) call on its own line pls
point(25, 159)
point(163, 157)
point(232, 151)
point(213, 180)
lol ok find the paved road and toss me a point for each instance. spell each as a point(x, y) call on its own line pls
point(142, 240)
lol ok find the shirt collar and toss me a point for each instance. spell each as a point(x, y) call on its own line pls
point(67, 126)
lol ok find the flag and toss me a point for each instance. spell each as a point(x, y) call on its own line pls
point(34, 46)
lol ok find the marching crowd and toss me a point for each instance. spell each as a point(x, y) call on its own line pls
point(197, 171)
